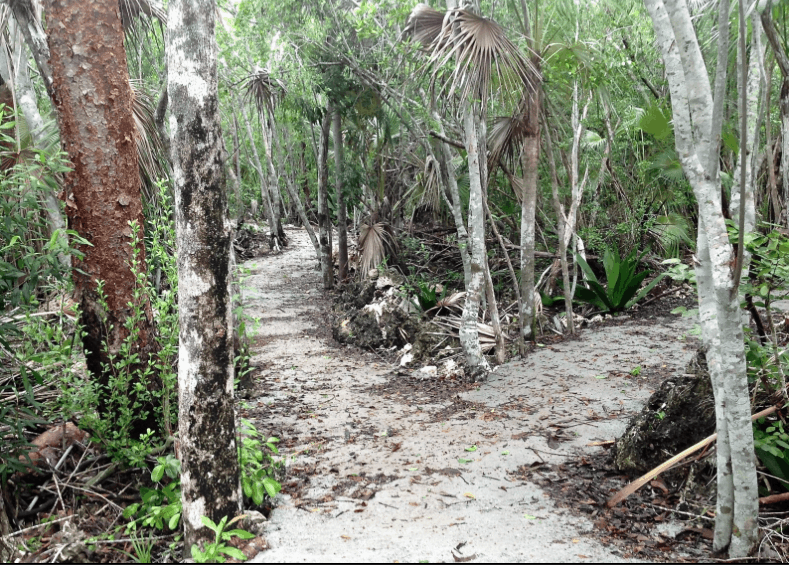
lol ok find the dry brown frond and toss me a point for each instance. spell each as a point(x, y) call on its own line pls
point(150, 151)
point(138, 17)
point(375, 241)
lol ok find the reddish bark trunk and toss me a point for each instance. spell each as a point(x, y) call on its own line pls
point(93, 99)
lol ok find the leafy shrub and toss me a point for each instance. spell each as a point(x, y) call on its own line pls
point(28, 258)
point(771, 442)
point(258, 467)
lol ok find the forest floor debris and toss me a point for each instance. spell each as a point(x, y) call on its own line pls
point(391, 463)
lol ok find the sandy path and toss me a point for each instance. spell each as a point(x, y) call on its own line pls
point(387, 475)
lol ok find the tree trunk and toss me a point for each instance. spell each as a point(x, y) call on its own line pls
point(443, 155)
point(476, 365)
point(530, 160)
point(324, 216)
point(237, 168)
point(264, 193)
point(342, 214)
point(97, 130)
point(209, 457)
point(273, 185)
point(782, 59)
point(6, 549)
point(696, 131)
point(751, 111)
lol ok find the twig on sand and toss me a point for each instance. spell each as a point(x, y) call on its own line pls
point(651, 475)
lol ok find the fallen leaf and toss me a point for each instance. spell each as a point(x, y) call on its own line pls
point(529, 517)
point(464, 559)
point(345, 537)
point(469, 495)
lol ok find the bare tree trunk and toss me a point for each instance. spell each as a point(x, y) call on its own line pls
point(751, 94)
point(443, 155)
point(342, 214)
point(696, 132)
point(264, 192)
point(782, 59)
point(6, 550)
point(530, 158)
point(561, 229)
point(209, 457)
point(29, 22)
point(324, 217)
point(273, 185)
point(237, 167)
point(97, 131)
point(476, 365)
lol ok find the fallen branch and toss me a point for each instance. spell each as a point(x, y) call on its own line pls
point(774, 499)
point(638, 483)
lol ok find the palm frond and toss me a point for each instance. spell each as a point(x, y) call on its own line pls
point(481, 50)
point(263, 90)
point(150, 151)
point(431, 183)
point(138, 18)
point(375, 241)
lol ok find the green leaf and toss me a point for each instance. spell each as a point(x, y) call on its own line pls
point(472, 448)
point(233, 552)
point(157, 473)
point(173, 523)
point(272, 487)
point(208, 523)
point(461, 460)
point(242, 534)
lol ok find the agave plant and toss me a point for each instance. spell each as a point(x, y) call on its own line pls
point(623, 282)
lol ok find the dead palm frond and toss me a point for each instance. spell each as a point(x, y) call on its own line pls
point(138, 17)
point(481, 51)
point(376, 241)
point(453, 302)
point(452, 324)
point(431, 184)
point(150, 151)
point(263, 90)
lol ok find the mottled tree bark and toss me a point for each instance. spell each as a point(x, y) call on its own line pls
point(324, 217)
point(696, 130)
point(209, 457)
point(476, 365)
point(93, 99)
point(342, 214)
point(530, 159)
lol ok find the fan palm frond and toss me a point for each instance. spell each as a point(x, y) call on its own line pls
point(507, 133)
point(150, 151)
point(481, 49)
point(375, 242)
point(431, 182)
point(138, 18)
point(263, 90)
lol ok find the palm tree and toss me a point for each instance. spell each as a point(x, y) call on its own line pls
point(263, 90)
point(485, 59)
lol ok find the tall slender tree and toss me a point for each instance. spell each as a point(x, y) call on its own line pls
point(209, 460)
point(697, 129)
point(482, 50)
